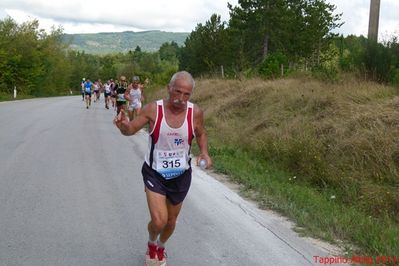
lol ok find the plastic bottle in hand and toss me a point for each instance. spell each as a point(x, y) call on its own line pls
point(203, 164)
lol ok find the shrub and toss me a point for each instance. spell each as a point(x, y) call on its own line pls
point(271, 66)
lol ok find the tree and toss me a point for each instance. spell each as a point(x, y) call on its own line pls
point(169, 51)
point(40, 63)
point(108, 69)
point(298, 28)
point(259, 24)
point(319, 23)
point(9, 58)
point(204, 47)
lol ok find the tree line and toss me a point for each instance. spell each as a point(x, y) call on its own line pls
point(41, 64)
point(266, 38)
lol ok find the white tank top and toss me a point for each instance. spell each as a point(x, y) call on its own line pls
point(169, 148)
point(135, 95)
point(107, 88)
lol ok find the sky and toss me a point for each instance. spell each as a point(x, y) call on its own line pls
point(92, 16)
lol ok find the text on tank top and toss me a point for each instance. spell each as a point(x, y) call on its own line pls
point(169, 148)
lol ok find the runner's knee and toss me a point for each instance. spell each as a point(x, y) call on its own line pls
point(171, 222)
point(159, 223)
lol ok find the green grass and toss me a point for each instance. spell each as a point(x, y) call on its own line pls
point(324, 155)
point(5, 97)
point(316, 213)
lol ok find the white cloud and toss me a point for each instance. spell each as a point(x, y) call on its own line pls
point(3, 14)
point(356, 16)
point(77, 16)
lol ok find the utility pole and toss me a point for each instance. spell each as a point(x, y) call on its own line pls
point(373, 20)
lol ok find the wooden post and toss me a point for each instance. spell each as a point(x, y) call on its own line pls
point(222, 70)
point(374, 20)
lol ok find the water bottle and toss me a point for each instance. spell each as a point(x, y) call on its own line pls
point(203, 164)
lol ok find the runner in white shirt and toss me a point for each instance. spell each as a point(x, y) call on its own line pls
point(107, 93)
point(82, 88)
point(96, 90)
point(135, 95)
point(173, 123)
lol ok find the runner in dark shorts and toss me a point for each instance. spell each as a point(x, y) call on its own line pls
point(87, 91)
point(113, 94)
point(173, 124)
point(174, 189)
point(120, 89)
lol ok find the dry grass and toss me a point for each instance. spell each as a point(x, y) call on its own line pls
point(340, 136)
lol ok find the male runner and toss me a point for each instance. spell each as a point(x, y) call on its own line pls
point(173, 123)
point(96, 90)
point(113, 94)
point(88, 86)
point(135, 95)
point(82, 88)
point(120, 89)
point(107, 93)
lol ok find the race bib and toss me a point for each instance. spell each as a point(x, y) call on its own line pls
point(171, 164)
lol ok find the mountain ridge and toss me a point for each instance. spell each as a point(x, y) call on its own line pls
point(121, 42)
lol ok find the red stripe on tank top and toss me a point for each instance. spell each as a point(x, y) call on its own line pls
point(190, 125)
point(155, 134)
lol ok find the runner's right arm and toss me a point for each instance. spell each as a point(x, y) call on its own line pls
point(146, 116)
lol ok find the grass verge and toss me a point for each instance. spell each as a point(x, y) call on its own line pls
point(324, 155)
point(316, 213)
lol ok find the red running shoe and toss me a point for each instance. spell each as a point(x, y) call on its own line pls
point(151, 255)
point(161, 253)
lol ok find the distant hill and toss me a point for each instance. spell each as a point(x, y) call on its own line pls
point(114, 42)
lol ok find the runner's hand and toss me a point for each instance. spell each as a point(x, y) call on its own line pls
point(206, 158)
point(121, 120)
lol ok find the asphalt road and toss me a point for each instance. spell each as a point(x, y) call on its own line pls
point(71, 193)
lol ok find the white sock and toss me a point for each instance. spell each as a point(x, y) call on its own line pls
point(161, 244)
point(152, 242)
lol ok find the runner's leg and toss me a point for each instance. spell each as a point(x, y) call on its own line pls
point(159, 213)
point(173, 212)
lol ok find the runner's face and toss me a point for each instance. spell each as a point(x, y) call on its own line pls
point(180, 93)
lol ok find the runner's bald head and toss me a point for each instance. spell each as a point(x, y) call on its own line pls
point(184, 75)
